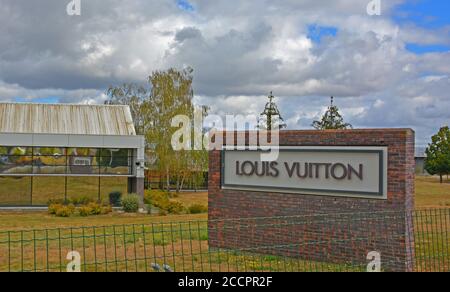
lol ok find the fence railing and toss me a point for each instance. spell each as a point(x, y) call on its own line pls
point(158, 183)
point(328, 242)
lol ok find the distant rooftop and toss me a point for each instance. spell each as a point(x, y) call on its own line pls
point(420, 152)
point(72, 119)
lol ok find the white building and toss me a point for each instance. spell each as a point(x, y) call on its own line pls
point(56, 152)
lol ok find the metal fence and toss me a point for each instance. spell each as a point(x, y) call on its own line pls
point(325, 242)
point(157, 182)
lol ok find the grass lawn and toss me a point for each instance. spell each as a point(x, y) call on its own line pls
point(429, 194)
point(12, 220)
point(182, 246)
point(188, 199)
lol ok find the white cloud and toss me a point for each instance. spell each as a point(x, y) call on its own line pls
point(11, 92)
point(240, 51)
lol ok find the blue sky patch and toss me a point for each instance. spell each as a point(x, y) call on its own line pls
point(38, 100)
point(424, 13)
point(317, 32)
point(185, 5)
point(424, 49)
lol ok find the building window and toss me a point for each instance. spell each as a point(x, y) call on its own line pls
point(49, 161)
point(115, 161)
point(15, 191)
point(36, 175)
point(83, 187)
point(46, 188)
point(83, 161)
point(62, 161)
point(16, 160)
point(112, 184)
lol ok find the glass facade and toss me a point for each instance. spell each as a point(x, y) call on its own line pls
point(31, 176)
point(15, 191)
point(83, 187)
point(65, 161)
point(46, 188)
point(112, 184)
point(49, 161)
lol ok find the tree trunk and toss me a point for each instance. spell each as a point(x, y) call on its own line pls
point(167, 180)
point(178, 184)
point(441, 178)
point(182, 182)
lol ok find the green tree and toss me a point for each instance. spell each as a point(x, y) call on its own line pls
point(170, 94)
point(271, 116)
point(331, 120)
point(438, 154)
point(134, 96)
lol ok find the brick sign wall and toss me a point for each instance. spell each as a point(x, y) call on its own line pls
point(324, 237)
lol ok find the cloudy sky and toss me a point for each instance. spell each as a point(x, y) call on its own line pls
point(391, 70)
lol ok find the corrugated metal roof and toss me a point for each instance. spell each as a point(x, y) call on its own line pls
point(66, 119)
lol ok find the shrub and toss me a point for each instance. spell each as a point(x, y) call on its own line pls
point(114, 198)
point(161, 200)
point(162, 212)
point(197, 209)
point(95, 208)
point(53, 208)
point(171, 207)
point(176, 208)
point(65, 211)
point(84, 211)
point(90, 209)
point(130, 203)
point(154, 196)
